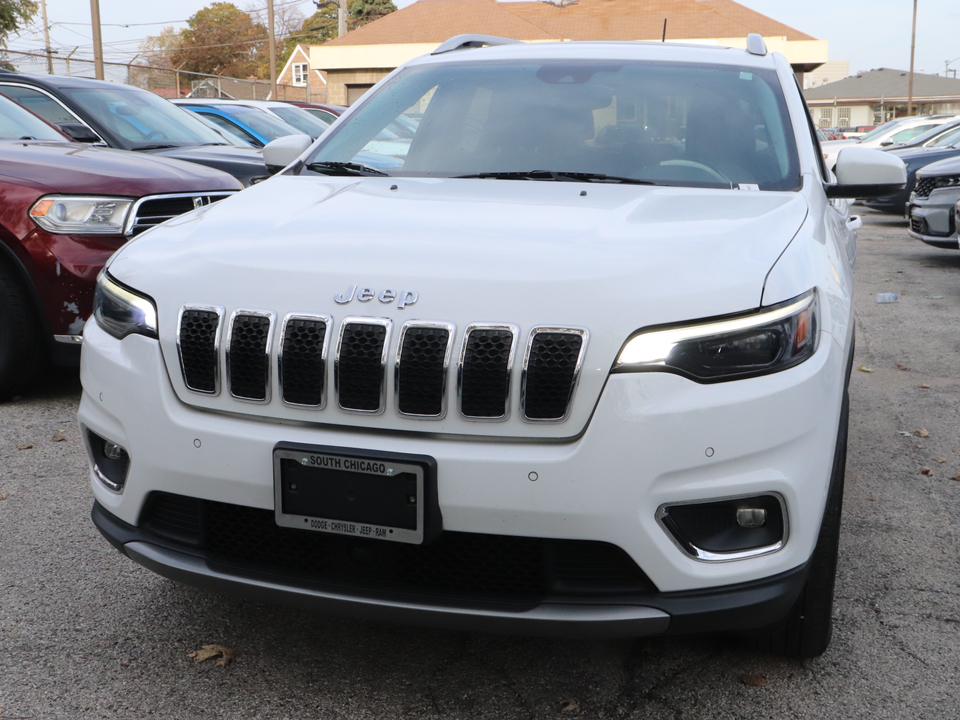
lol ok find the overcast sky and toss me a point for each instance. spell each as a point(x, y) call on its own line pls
point(868, 33)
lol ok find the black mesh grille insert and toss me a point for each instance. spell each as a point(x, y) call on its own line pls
point(360, 366)
point(198, 349)
point(460, 565)
point(925, 186)
point(483, 388)
point(421, 376)
point(302, 365)
point(551, 368)
point(249, 362)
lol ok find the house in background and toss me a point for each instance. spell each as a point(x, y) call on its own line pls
point(874, 97)
point(352, 64)
point(297, 74)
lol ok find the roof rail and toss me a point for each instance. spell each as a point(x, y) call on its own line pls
point(756, 45)
point(464, 42)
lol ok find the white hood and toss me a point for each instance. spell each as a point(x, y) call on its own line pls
point(612, 260)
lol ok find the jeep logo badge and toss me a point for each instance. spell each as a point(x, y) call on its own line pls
point(404, 298)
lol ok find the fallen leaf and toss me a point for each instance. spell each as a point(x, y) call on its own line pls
point(926, 471)
point(957, 478)
point(872, 499)
point(922, 432)
point(754, 680)
point(3, 496)
point(59, 436)
point(924, 386)
point(941, 460)
point(570, 705)
point(24, 447)
point(902, 367)
point(208, 652)
point(864, 368)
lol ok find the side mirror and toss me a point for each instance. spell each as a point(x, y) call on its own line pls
point(79, 132)
point(279, 153)
point(886, 143)
point(867, 173)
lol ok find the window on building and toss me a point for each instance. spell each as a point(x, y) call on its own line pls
point(843, 117)
point(826, 117)
point(300, 74)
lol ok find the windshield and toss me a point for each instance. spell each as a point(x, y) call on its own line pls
point(270, 126)
point(301, 120)
point(141, 119)
point(882, 131)
point(669, 124)
point(19, 124)
point(948, 139)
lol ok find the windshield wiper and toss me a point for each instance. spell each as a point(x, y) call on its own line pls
point(343, 168)
point(558, 177)
point(158, 146)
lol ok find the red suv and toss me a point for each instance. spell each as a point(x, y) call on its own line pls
point(64, 209)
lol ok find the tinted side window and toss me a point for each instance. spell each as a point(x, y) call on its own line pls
point(39, 104)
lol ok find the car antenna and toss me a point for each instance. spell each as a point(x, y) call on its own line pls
point(664, 38)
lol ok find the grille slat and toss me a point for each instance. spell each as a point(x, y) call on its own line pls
point(551, 370)
point(467, 566)
point(485, 372)
point(360, 364)
point(422, 369)
point(302, 362)
point(248, 356)
point(198, 345)
point(152, 211)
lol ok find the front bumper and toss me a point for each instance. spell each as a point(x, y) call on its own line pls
point(654, 439)
point(741, 607)
point(932, 219)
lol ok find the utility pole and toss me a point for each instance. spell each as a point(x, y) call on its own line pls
point(272, 49)
point(97, 42)
point(46, 37)
point(913, 47)
point(342, 18)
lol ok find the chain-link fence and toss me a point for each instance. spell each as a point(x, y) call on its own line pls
point(162, 81)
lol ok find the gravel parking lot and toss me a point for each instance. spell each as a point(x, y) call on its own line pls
point(86, 633)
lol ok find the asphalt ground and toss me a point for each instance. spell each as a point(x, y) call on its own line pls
point(86, 633)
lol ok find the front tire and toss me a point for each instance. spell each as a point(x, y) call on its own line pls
point(807, 629)
point(21, 342)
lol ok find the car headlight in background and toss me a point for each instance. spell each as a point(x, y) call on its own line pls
point(121, 311)
point(730, 348)
point(74, 215)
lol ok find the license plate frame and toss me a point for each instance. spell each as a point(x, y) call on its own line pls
point(341, 491)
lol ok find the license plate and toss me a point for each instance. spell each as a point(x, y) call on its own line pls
point(350, 493)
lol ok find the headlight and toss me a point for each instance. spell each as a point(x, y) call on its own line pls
point(730, 348)
point(72, 215)
point(120, 311)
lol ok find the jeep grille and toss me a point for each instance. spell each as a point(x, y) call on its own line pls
point(151, 211)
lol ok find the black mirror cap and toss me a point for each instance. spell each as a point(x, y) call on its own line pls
point(79, 132)
point(853, 192)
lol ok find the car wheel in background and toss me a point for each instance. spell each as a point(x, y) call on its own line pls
point(21, 345)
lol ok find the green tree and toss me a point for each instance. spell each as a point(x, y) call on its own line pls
point(315, 30)
point(366, 11)
point(14, 15)
point(221, 39)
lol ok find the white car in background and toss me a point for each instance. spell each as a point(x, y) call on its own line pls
point(895, 132)
point(557, 372)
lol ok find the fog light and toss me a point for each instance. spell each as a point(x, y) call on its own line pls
point(751, 517)
point(110, 461)
point(727, 529)
point(113, 451)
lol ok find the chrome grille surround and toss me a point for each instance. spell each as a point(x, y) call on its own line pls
point(137, 223)
point(385, 323)
point(328, 324)
point(584, 335)
point(271, 318)
point(471, 328)
point(451, 335)
point(216, 347)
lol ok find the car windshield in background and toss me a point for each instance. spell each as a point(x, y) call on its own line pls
point(301, 120)
point(143, 120)
point(18, 124)
point(948, 139)
point(665, 124)
point(270, 126)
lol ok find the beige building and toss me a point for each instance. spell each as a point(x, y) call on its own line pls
point(355, 62)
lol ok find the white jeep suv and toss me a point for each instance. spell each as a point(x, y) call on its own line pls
point(578, 366)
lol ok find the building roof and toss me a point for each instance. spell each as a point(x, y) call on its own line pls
point(885, 83)
point(433, 21)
